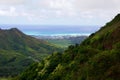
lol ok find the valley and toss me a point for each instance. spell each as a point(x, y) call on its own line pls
point(18, 50)
point(96, 58)
point(59, 40)
point(63, 41)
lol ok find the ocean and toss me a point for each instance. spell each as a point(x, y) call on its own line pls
point(53, 29)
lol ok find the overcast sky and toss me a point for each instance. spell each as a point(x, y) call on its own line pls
point(58, 12)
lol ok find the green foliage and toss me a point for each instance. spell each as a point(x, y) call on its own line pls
point(63, 43)
point(97, 58)
point(4, 78)
point(100, 66)
point(42, 70)
point(18, 51)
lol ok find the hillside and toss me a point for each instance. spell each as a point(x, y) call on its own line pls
point(97, 58)
point(18, 50)
point(63, 41)
point(107, 37)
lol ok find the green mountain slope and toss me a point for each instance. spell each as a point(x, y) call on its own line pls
point(18, 50)
point(107, 36)
point(97, 58)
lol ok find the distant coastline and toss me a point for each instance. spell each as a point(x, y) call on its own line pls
point(53, 30)
point(69, 34)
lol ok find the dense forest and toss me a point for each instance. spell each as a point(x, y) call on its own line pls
point(96, 58)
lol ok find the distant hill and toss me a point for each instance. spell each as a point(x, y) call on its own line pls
point(18, 50)
point(63, 41)
point(96, 58)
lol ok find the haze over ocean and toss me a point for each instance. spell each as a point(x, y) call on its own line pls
point(47, 30)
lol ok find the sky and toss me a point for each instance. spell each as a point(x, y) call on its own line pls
point(58, 12)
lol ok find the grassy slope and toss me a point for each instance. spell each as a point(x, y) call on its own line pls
point(89, 61)
point(63, 43)
point(18, 50)
point(5, 78)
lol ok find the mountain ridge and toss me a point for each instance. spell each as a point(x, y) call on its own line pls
point(18, 50)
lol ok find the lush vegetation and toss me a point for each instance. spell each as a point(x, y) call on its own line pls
point(66, 41)
point(97, 58)
point(63, 43)
point(18, 51)
point(4, 78)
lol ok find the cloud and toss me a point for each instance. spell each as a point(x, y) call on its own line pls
point(82, 10)
point(10, 12)
point(79, 8)
point(57, 7)
point(11, 2)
